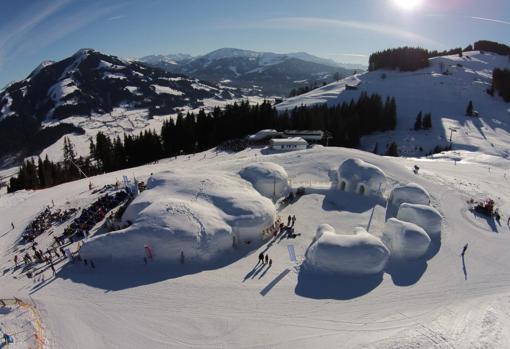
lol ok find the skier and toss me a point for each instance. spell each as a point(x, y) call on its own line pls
point(288, 220)
point(12, 225)
point(464, 250)
point(267, 259)
point(293, 220)
point(261, 258)
point(182, 257)
point(16, 260)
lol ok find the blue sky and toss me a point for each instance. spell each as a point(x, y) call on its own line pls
point(344, 30)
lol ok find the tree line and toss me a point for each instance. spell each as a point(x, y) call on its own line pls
point(501, 83)
point(191, 133)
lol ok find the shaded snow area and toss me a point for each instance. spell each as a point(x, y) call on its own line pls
point(201, 216)
point(352, 270)
point(62, 89)
point(444, 89)
point(359, 253)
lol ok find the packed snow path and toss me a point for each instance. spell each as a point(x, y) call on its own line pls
point(446, 302)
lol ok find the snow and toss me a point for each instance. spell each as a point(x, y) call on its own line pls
point(110, 75)
point(269, 179)
point(439, 302)
point(62, 89)
point(360, 253)
point(6, 108)
point(166, 90)
point(199, 215)
point(263, 134)
point(357, 176)
point(410, 193)
point(404, 239)
point(109, 66)
point(428, 90)
point(424, 216)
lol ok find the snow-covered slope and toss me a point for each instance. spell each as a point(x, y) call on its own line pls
point(446, 96)
point(439, 301)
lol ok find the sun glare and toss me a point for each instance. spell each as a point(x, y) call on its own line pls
point(408, 5)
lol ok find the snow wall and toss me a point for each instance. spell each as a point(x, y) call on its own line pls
point(268, 178)
point(424, 216)
point(358, 176)
point(358, 254)
point(404, 239)
point(200, 215)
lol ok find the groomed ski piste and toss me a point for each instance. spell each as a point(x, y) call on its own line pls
point(363, 276)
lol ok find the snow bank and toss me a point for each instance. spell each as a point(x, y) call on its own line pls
point(424, 216)
point(201, 215)
point(269, 179)
point(358, 176)
point(323, 228)
point(359, 254)
point(263, 134)
point(411, 193)
point(404, 239)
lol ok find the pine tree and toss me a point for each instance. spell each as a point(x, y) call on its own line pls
point(392, 150)
point(470, 109)
point(375, 151)
point(417, 123)
point(427, 122)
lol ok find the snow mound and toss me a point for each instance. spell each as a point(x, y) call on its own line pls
point(359, 254)
point(358, 176)
point(424, 216)
point(404, 239)
point(200, 215)
point(411, 193)
point(269, 179)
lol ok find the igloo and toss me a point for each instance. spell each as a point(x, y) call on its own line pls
point(411, 193)
point(404, 239)
point(358, 254)
point(201, 215)
point(355, 175)
point(424, 216)
point(269, 179)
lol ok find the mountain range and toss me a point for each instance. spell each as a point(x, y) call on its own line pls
point(258, 73)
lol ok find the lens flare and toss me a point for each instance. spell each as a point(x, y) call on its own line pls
point(408, 5)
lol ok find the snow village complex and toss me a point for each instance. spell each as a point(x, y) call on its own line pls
point(174, 201)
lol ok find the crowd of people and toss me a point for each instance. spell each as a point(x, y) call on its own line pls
point(44, 221)
point(89, 217)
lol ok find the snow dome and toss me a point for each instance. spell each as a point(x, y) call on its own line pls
point(200, 215)
point(404, 239)
point(358, 176)
point(424, 216)
point(269, 179)
point(411, 193)
point(360, 253)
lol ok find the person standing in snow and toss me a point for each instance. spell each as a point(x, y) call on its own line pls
point(270, 263)
point(293, 220)
point(261, 257)
point(267, 259)
point(52, 268)
point(16, 260)
point(464, 250)
point(288, 220)
point(12, 225)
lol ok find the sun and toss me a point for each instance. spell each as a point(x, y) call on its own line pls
point(408, 5)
